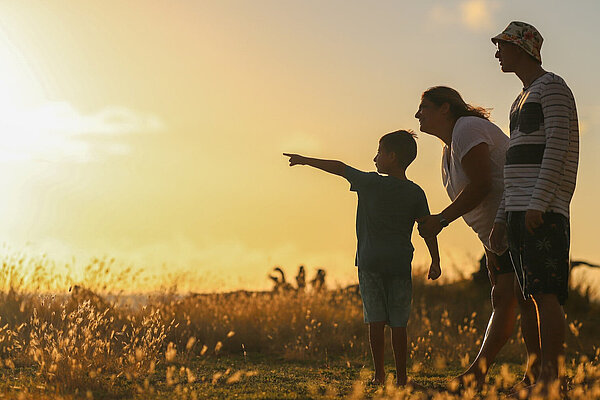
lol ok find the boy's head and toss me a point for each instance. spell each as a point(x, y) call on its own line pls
point(396, 149)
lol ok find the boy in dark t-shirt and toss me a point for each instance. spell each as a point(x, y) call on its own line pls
point(388, 207)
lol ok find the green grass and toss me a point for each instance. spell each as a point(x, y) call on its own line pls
point(252, 377)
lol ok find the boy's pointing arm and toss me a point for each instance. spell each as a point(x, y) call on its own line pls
point(331, 166)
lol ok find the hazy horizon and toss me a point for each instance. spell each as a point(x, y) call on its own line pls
point(152, 132)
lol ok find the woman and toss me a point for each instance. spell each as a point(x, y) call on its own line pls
point(472, 172)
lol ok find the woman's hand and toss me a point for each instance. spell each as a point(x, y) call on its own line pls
point(429, 226)
point(498, 238)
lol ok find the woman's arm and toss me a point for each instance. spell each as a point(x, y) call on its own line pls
point(476, 164)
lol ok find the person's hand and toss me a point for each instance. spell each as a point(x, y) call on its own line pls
point(533, 220)
point(498, 238)
point(429, 226)
point(295, 159)
point(434, 270)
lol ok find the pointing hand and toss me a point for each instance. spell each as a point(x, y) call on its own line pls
point(295, 159)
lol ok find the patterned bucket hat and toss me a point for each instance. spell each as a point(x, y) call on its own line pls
point(523, 35)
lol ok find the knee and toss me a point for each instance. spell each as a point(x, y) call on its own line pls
point(522, 301)
point(377, 327)
point(526, 305)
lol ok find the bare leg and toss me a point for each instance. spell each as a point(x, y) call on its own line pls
point(500, 326)
point(550, 321)
point(400, 347)
point(377, 341)
point(499, 329)
point(530, 332)
point(552, 333)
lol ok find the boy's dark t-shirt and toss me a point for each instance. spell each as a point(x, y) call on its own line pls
point(387, 210)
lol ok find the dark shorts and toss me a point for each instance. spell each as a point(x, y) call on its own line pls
point(499, 264)
point(541, 260)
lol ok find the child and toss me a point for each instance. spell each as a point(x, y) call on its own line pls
point(388, 207)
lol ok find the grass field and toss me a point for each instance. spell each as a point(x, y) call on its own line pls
point(251, 345)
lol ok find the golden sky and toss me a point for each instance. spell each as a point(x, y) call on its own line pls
point(152, 131)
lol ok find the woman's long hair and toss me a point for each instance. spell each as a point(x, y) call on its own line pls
point(439, 95)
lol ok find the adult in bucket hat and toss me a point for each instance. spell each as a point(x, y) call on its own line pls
point(539, 180)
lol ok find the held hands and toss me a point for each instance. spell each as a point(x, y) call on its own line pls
point(434, 270)
point(429, 226)
point(498, 238)
point(295, 159)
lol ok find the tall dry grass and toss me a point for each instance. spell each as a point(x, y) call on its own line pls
point(90, 340)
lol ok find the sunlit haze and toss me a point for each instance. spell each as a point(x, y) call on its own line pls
point(152, 131)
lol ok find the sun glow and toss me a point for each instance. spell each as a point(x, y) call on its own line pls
point(33, 128)
point(21, 136)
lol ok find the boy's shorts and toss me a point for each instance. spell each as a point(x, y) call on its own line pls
point(541, 260)
point(385, 298)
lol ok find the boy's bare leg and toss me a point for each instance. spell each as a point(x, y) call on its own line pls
point(399, 345)
point(499, 329)
point(377, 341)
point(531, 337)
